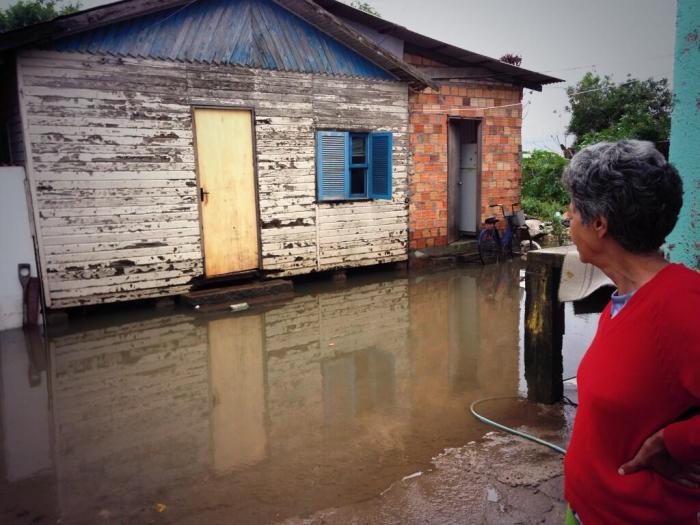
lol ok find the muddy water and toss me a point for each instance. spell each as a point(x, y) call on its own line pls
point(324, 400)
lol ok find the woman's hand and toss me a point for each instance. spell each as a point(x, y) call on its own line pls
point(654, 456)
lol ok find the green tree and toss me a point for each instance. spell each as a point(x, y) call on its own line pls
point(603, 110)
point(28, 12)
point(364, 6)
point(543, 193)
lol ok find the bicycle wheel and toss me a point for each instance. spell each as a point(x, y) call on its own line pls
point(488, 247)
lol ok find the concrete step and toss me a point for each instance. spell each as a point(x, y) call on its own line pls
point(251, 293)
point(445, 257)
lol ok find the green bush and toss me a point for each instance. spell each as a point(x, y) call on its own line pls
point(543, 193)
point(543, 210)
point(542, 176)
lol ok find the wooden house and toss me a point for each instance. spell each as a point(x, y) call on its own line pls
point(167, 141)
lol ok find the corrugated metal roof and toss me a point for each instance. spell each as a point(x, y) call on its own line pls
point(415, 43)
point(252, 33)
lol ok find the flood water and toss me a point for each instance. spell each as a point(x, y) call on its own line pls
point(321, 401)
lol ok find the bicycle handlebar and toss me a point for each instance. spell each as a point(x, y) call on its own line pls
point(503, 211)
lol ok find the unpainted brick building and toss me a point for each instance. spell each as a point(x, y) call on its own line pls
point(449, 200)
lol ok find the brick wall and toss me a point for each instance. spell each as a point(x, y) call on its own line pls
point(501, 146)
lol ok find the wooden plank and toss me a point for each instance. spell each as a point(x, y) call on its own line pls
point(113, 260)
point(131, 279)
point(90, 197)
point(53, 142)
point(122, 295)
point(135, 155)
point(127, 222)
point(110, 239)
point(119, 227)
point(134, 165)
point(331, 263)
point(48, 132)
point(42, 123)
point(87, 292)
point(115, 177)
point(62, 273)
point(116, 210)
point(149, 242)
point(166, 252)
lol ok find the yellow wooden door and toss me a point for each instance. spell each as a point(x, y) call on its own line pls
point(227, 190)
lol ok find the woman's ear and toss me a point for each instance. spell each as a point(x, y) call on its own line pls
point(600, 226)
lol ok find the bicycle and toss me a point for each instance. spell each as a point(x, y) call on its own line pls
point(515, 240)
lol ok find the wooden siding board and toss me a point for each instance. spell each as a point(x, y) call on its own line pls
point(114, 171)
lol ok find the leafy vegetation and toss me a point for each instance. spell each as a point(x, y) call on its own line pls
point(543, 194)
point(602, 110)
point(366, 7)
point(28, 12)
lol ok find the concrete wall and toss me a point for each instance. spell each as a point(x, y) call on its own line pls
point(684, 241)
point(15, 244)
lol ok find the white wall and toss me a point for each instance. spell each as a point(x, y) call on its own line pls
point(15, 244)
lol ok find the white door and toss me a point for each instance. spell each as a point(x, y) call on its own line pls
point(468, 188)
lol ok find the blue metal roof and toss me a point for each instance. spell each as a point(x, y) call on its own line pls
point(252, 33)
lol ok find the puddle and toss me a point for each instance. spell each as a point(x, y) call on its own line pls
point(253, 417)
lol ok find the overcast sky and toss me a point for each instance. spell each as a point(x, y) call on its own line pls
point(563, 38)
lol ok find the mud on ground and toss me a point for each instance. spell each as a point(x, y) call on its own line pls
point(500, 479)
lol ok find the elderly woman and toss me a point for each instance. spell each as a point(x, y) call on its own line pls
point(634, 455)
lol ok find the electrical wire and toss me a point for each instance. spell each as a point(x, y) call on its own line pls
point(504, 428)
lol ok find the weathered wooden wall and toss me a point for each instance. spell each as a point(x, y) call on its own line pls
point(112, 166)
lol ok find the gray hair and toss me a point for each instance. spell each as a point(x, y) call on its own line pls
point(630, 184)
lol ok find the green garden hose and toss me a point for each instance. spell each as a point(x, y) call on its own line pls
point(510, 430)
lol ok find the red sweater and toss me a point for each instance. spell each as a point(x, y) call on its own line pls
point(640, 374)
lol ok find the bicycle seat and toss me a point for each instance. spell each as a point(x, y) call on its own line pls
point(491, 220)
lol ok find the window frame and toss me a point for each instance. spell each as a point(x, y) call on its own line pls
point(371, 172)
point(365, 165)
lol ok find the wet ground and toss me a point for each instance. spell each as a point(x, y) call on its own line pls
point(312, 410)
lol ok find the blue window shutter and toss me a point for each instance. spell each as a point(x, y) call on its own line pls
point(380, 168)
point(331, 165)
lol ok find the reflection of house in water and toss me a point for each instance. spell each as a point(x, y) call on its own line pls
point(141, 406)
point(464, 340)
point(334, 393)
point(130, 411)
point(334, 356)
